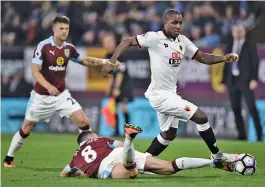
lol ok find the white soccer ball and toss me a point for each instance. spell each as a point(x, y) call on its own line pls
point(245, 164)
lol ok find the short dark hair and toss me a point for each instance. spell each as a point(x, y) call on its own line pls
point(83, 136)
point(61, 19)
point(169, 13)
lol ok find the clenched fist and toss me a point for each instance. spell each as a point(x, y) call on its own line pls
point(231, 57)
point(109, 67)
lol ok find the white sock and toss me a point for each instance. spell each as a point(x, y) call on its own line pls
point(128, 153)
point(203, 127)
point(189, 163)
point(80, 130)
point(16, 143)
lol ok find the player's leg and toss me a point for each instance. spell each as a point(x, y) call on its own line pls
point(80, 119)
point(250, 100)
point(121, 101)
point(17, 141)
point(36, 110)
point(120, 172)
point(128, 149)
point(208, 136)
point(68, 107)
point(128, 169)
point(168, 126)
point(235, 100)
point(164, 167)
point(121, 162)
point(124, 110)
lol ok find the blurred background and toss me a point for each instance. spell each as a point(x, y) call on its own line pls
point(96, 28)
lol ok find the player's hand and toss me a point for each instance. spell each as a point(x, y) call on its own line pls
point(222, 88)
point(53, 90)
point(116, 92)
point(118, 63)
point(231, 57)
point(109, 67)
point(253, 84)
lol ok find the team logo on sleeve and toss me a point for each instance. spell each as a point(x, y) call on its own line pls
point(175, 59)
point(67, 52)
point(60, 61)
point(37, 53)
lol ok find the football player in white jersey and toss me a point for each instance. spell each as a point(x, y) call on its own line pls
point(166, 49)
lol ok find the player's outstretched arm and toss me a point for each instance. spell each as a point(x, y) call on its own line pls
point(206, 58)
point(92, 61)
point(126, 43)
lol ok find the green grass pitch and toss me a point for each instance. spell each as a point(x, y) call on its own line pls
point(43, 156)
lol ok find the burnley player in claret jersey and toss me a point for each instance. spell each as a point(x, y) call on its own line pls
point(105, 158)
point(49, 63)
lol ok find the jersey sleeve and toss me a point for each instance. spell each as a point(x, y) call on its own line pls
point(38, 54)
point(146, 40)
point(71, 164)
point(75, 56)
point(190, 48)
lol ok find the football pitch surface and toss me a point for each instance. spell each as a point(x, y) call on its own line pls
point(43, 156)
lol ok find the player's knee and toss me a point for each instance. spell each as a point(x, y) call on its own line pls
point(199, 117)
point(133, 173)
point(168, 135)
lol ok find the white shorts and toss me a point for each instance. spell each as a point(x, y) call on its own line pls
point(41, 107)
point(115, 157)
point(171, 108)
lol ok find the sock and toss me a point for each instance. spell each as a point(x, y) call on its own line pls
point(128, 153)
point(84, 129)
point(158, 145)
point(190, 163)
point(16, 143)
point(126, 116)
point(206, 132)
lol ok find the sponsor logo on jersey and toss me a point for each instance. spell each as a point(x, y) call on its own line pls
point(57, 68)
point(175, 59)
point(67, 52)
point(60, 61)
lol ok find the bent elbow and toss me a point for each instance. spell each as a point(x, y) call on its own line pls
point(127, 41)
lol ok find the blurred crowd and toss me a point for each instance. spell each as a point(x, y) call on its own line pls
point(206, 23)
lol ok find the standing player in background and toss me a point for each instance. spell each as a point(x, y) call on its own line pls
point(166, 49)
point(49, 95)
point(105, 158)
point(120, 83)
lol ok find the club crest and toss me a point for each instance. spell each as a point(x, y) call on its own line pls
point(180, 46)
point(67, 52)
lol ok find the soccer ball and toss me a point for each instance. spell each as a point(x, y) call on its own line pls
point(245, 164)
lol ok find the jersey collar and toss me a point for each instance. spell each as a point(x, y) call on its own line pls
point(53, 42)
point(166, 34)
